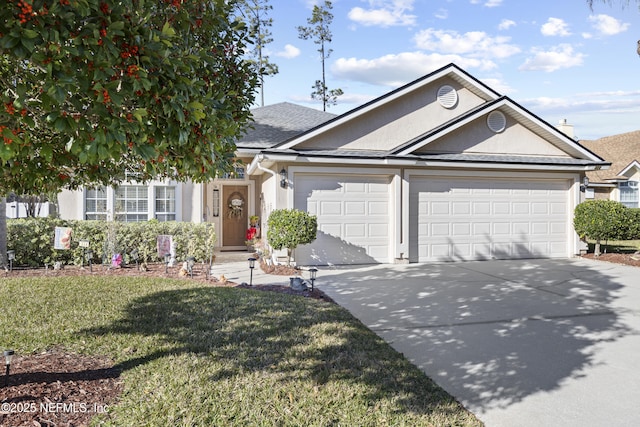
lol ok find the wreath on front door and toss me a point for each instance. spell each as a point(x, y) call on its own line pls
point(235, 208)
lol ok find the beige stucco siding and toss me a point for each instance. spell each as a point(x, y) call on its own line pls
point(477, 138)
point(398, 122)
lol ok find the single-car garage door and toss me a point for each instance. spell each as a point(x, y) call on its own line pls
point(353, 218)
point(473, 219)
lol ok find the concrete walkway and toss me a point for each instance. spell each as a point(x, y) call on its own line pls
point(235, 268)
point(519, 343)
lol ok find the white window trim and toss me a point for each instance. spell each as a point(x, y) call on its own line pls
point(632, 185)
point(151, 201)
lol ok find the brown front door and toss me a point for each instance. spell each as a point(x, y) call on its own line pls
point(234, 222)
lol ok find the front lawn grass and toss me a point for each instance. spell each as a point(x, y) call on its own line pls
point(193, 355)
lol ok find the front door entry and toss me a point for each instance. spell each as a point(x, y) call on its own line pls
point(234, 221)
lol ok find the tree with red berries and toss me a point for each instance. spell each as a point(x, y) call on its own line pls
point(94, 89)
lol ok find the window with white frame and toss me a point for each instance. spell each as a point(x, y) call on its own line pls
point(165, 203)
point(132, 203)
point(629, 194)
point(96, 203)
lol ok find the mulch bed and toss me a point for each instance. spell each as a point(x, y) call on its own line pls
point(617, 258)
point(58, 389)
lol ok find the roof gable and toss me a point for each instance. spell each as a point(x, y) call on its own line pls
point(412, 120)
point(525, 134)
point(410, 99)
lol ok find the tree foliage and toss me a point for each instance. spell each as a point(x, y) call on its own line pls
point(320, 32)
point(94, 88)
point(601, 220)
point(255, 13)
point(288, 228)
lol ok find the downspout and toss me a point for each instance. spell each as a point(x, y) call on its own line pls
point(275, 192)
point(263, 169)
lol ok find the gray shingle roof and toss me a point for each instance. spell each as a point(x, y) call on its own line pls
point(277, 123)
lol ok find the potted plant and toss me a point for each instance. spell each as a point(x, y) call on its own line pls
point(251, 236)
point(253, 232)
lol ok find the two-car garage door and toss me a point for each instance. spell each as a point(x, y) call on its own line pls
point(471, 219)
point(450, 218)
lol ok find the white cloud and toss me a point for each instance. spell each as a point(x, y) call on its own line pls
point(385, 13)
point(493, 3)
point(442, 14)
point(488, 3)
point(289, 52)
point(607, 25)
point(555, 27)
point(559, 57)
point(398, 69)
point(505, 24)
point(473, 43)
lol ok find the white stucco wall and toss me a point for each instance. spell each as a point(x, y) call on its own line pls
point(477, 138)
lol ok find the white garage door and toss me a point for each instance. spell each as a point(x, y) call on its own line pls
point(353, 218)
point(465, 219)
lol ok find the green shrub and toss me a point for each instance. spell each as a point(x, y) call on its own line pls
point(32, 240)
point(633, 223)
point(601, 220)
point(289, 228)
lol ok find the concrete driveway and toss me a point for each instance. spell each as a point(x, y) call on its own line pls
point(518, 343)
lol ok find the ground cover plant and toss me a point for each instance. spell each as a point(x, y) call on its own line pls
point(188, 353)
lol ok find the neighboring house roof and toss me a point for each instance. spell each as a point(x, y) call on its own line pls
point(621, 150)
point(277, 123)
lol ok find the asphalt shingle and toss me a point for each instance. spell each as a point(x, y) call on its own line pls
point(621, 150)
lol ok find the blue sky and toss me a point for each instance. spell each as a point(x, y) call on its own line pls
point(559, 59)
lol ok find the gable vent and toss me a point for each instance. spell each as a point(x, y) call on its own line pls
point(447, 96)
point(496, 121)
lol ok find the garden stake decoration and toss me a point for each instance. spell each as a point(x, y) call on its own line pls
point(252, 264)
point(8, 355)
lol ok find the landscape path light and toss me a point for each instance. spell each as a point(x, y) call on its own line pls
point(8, 355)
point(252, 265)
point(313, 272)
point(11, 256)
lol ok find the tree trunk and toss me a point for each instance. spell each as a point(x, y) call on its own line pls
point(596, 250)
point(3, 232)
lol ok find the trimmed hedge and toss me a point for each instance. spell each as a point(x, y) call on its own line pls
point(32, 240)
point(601, 220)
